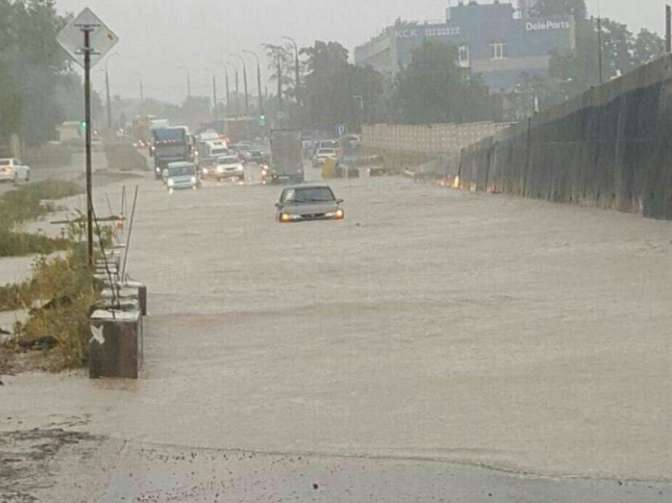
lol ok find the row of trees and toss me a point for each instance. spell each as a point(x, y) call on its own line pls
point(331, 90)
point(38, 89)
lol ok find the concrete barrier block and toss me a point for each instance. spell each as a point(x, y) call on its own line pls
point(116, 344)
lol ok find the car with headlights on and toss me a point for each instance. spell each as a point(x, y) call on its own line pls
point(308, 202)
point(181, 176)
point(323, 155)
point(224, 167)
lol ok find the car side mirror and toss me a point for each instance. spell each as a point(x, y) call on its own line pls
point(278, 205)
point(340, 201)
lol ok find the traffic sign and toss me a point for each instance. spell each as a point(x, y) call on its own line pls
point(101, 38)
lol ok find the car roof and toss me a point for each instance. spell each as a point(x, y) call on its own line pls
point(308, 186)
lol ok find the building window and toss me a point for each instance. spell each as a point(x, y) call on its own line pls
point(498, 50)
point(463, 56)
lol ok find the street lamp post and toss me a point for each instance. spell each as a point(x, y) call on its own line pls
point(260, 97)
point(297, 69)
point(107, 90)
point(183, 67)
point(247, 101)
point(235, 68)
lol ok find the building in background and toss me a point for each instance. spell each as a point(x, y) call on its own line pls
point(493, 40)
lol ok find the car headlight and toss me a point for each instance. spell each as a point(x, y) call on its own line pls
point(205, 171)
point(285, 217)
point(193, 179)
point(335, 214)
point(220, 169)
point(171, 182)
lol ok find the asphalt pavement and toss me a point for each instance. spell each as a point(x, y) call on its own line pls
point(434, 346)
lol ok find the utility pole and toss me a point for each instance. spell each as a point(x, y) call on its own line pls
point(668, 29)
point(237, 95)
point(107, 90)
point(214, 98)
point(260, 97)
point(87, 117)
point(108, 99)
point(228, 91)
point(247, 100)
point(188, 84)
point(87, 26)
point(599, 49)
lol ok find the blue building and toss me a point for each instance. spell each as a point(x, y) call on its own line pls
point(493, 40)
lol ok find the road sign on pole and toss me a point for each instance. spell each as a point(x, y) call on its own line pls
point(101, 38)
point(86, 39)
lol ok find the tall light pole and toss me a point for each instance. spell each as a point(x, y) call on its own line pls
point(214, 98)
point(247, 100)
point(183, 67)
point(297, 68)
point(228, 90)
point(141, 89)
point(107, 90)
point(235, 68)
point(599, 43)
point(260, 97)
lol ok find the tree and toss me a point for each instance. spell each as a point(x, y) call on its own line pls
point(576, 8)
point(336, 91)
point(433, 88)
point(31, 64)
point(647, 47)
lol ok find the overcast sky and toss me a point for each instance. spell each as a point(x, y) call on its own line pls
point(159, 36)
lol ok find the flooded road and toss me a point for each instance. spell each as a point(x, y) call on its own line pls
point(431, 326)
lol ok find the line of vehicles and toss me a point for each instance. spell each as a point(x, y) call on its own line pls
point(182, 162)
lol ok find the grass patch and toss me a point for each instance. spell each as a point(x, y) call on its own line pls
point(17, 244)
point(16, 296)
point(67, 291)
point(28, 202)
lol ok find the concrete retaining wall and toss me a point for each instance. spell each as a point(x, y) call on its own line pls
point(426, 139)
point(124, 157)
point(609, 148)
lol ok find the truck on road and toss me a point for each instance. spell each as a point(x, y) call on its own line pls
point(286, 156)
point(170, 144)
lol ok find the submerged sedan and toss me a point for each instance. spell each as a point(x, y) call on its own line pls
point(308, 202)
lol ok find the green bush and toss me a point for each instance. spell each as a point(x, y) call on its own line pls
point(17, 296)
point(17, 244)
point(27, 202)
point(66, 285)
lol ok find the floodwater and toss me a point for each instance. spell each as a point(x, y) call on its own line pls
point(429, 325)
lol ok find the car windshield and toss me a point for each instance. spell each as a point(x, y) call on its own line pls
point(180, 171)
point(309, 195)
point(168, 135)
point(226, 161)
